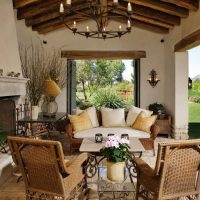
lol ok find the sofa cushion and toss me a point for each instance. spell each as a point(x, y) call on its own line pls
point(90, 133)
point(92, 113)
point(133, 113)
point(144, 122)
point(113, 117)
point(80, 122)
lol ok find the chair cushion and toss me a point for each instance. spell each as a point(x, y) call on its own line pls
point(116, 130)
point(80, 122)
point(133, 113)
point(144, 122)
point(113, 117)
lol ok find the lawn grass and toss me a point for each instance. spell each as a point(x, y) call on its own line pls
point(194, 120)
point(194, 112)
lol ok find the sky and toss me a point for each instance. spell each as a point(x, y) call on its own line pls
point(128, 71)
point(194, 61)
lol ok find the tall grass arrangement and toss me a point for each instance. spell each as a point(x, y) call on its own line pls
point(38, 66)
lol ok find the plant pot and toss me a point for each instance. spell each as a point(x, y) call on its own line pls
point(116, 171)
point(34, 112)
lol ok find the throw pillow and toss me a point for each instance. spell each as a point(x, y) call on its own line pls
point(144, 122)
point(92, 113)
point(80, 122)
point(113, 117)
point(134, 112)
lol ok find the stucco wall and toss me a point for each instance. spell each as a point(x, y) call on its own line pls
point(9, 55)
point(137, 40)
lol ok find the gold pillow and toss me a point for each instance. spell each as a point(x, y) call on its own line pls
point(144, 122)
point(80, 122)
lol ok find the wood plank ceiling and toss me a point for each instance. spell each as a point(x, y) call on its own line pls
point(154, 15)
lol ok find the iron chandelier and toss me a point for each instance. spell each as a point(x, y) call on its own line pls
point(100, 12)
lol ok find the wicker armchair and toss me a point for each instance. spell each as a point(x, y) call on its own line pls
point(176, 173)
point(45, 172)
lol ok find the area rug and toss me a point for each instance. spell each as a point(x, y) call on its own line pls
point(148, 157)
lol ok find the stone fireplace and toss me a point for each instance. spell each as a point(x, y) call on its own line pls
point(12, 92)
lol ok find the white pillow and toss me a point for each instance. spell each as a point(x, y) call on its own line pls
point(113, 117)
point(92, 113)
point(134, 112)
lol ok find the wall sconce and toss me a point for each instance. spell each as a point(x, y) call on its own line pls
point(153, 80)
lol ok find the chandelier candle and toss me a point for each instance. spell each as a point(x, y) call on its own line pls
point(100, 12)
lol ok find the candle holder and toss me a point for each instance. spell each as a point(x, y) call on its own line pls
point(110, 134)
point(125, 136)
point(98, 138)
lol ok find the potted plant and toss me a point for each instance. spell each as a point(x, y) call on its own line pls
point(157, 108)
point(116, 151)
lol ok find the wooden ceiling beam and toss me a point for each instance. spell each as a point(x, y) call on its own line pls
point(43, 7)
point(146, 26)
point(154, 14)
point(157, 15)
point(23, 3)
point(51, 15)
point(188, 42)
point(50, 28)
point(58, 21)
point(152, 21)
point(163, 7)
point(146, 19)
point(55, 24)
point(188, 4)
point(103, 54)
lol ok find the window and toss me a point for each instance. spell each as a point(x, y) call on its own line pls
point(113, 83)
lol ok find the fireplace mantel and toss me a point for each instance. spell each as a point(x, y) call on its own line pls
point(11, 86)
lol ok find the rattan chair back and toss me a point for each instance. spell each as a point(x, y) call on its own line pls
point(41, 163)
point(178, 166)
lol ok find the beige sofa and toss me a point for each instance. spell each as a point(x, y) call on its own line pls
point(75, 139)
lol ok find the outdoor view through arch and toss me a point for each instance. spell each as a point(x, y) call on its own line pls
point(108, 83)
point(194, 92)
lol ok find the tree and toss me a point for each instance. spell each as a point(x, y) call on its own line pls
point(93, 75)
point(109, 72)
point(84, 74)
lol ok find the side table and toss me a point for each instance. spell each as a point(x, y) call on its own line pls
point(25, 124)
point(164, 125)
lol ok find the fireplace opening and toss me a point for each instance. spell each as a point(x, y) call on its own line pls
point(7, 116)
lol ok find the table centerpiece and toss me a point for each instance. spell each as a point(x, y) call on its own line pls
point(116, 151)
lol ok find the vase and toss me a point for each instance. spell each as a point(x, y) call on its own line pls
point(116, 171)
point(34, 112)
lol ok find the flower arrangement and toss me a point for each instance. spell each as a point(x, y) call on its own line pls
point(116, 149)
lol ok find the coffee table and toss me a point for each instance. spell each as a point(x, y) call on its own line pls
point(90, 146)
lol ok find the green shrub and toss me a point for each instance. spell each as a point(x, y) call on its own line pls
point(108, 98)
point(195, 99)
point(83, 104)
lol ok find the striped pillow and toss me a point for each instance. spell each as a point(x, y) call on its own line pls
point(80, 122)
